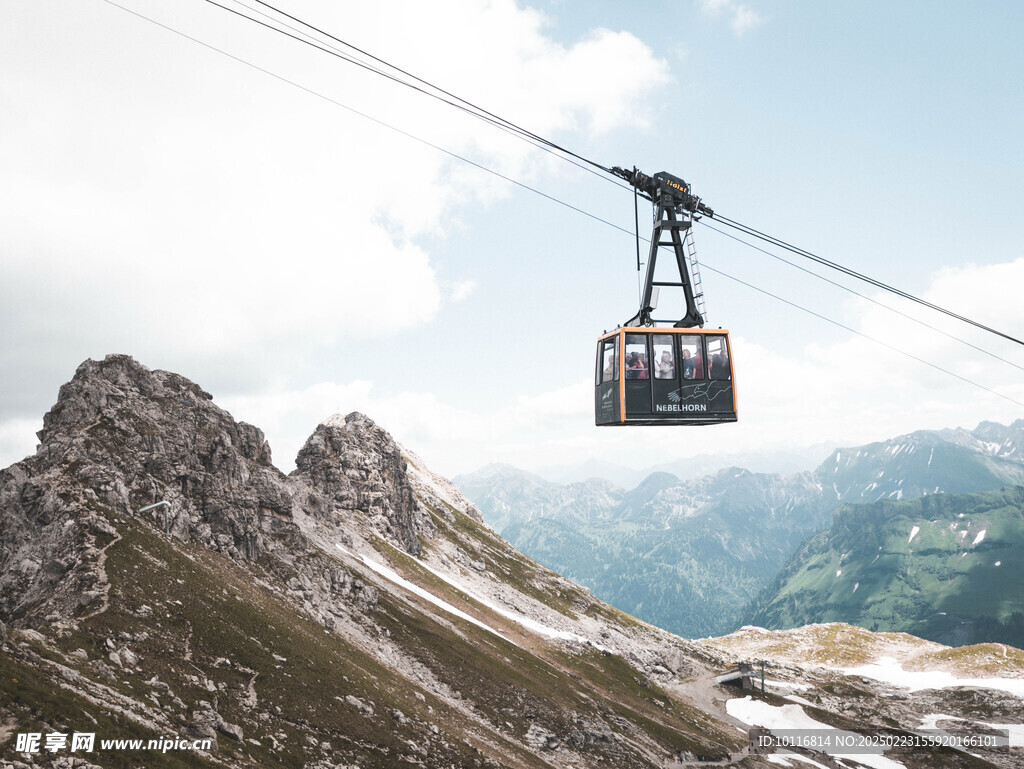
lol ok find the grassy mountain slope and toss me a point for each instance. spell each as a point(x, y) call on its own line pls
point(944, 567)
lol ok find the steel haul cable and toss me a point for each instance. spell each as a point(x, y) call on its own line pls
point(587, 213)
point(461, 104)
point(859, 276)
point(911, 318)
point(471, 108)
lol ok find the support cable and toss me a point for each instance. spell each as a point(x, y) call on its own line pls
point(553, 199)
point(372, 119)
point(865, 336)
point(451, 99)
point(478, 109)
point(859, 276)
point(459, 103)
point(849, 290)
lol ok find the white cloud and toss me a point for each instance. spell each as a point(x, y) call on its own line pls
point(852, 391)
point(461, 290)
point(18, 439)
point(449, 438)
point(163, 200)
point(741, 17)
point(218, 167)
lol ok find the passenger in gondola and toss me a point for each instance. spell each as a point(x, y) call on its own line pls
point(689, 365)
point(665, 368)
point(698, 365)
point(631, 365)
point(609, 370)
point(719, 368)
point(641, 366)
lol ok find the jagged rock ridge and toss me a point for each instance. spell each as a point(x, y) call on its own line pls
point(123, 437)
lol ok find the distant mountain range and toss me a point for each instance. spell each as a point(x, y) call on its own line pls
point(946, 567)
point(692, 556)
point(691, 468)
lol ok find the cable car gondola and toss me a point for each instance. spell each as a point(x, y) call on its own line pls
point(657, 375)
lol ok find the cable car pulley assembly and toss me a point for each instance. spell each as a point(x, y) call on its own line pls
point(677, 375)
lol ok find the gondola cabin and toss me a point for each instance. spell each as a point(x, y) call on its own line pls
point(665, 376)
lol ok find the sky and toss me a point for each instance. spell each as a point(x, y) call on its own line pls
point(297, 235)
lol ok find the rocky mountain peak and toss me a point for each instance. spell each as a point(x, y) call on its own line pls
point(122, 401)
point(123, 437)
point(359, 466)
point(120, 438)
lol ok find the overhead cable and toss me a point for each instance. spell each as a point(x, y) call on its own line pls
point(862, 334)
point(859, 276)
point(534, 190)
point(366, 116)
point(453, 100)
point(838, 285)
point(436, 92)
point(480, 110)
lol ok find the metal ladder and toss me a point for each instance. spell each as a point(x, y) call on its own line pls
point(698, 286)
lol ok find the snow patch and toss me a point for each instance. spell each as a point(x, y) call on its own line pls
point(998, 563)
point(1016, 731)
point(755, 713)
point(978, 539)
point(913, 533)
point(525, 622)
point(750, 711)
point(521, 619)
point(800, 700)
point(393, 576)
point(855, 586)
point(787, 684)
point(890, 671)
point(839, 572)
point(931, 721)
point(805, 760)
